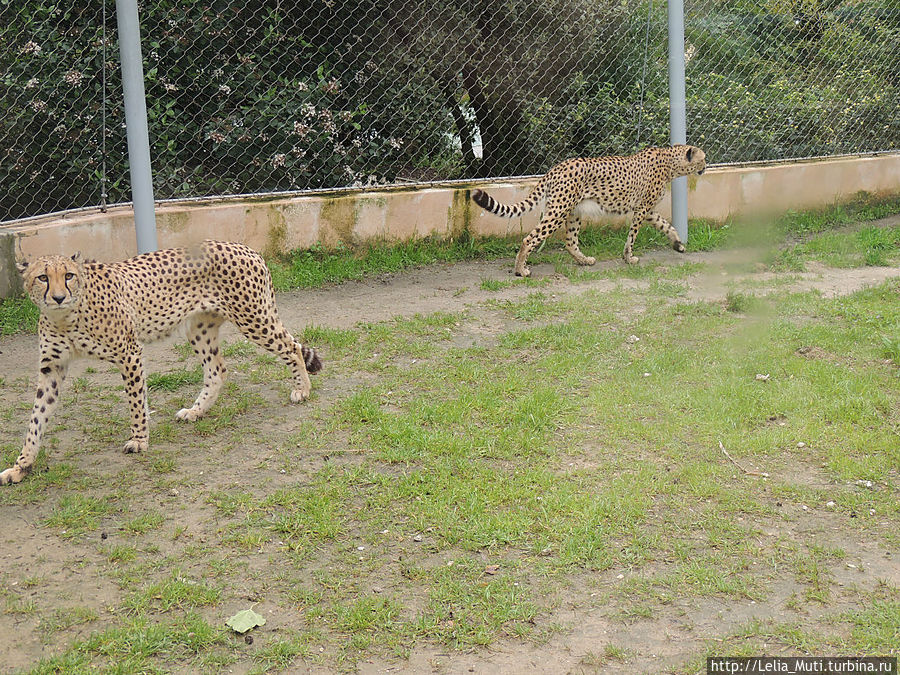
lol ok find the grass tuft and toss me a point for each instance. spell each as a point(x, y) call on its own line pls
point(174, 379)
point(18, 315)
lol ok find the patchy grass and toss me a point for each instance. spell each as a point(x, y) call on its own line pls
point(463, 479)
point(174, 379)
point(77, 514)
point(314, 267)
point(18, 315)
point(63, 618)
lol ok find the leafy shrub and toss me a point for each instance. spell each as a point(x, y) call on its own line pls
point(260, 97)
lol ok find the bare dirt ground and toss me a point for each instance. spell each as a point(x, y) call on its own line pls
point(66, 571)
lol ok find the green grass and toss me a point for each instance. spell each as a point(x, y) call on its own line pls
point(338, 341)
point(314, 267)
point(133, 646)
point(279, 654)
point(77, 514)
point(18, 315)
point(463, 479)
point(176, 591)
point(175, 379)
point(144, 523)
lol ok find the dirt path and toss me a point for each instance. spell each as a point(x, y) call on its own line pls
point(457, 286)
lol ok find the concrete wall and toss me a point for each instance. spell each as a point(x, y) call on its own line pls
point(278, 224)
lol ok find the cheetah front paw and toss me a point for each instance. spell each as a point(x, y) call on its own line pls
point(136, 445)
point(523, 272)
point(632, 260)
point(189, 414)
point(588, 260)
point(298, 395)
point(14, 474)
point(678, 246)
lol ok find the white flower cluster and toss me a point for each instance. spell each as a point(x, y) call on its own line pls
point(73, 77)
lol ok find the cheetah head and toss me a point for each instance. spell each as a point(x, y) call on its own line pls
point(689, 159)
point(54, 282)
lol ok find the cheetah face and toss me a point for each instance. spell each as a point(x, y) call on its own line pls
point(694, 160)
point(53, 282)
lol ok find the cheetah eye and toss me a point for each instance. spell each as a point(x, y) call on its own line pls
point(42, 277)
point(70, 276)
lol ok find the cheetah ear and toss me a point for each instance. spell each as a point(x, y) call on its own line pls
point(690, 153)
point(76, 257)
point(21, 265)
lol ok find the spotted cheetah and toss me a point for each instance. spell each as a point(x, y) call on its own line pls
point(108, 310)
point(589, 187)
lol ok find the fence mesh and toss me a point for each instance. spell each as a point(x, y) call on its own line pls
point(274, 96)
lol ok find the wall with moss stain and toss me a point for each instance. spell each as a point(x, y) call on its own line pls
point(174, 221)
point(338, 216)
point(275, 224)
point(10, 280)
point(459, 214)
point(276, 232)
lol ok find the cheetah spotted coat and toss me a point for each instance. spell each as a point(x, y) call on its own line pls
point(108, 310)
point(590, 187)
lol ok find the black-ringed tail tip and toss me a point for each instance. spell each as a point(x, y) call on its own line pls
point(482, 198)
point(312, 360)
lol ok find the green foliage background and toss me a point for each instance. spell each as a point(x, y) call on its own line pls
point(278, 96)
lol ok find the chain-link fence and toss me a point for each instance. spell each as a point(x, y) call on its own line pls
point(275, 96)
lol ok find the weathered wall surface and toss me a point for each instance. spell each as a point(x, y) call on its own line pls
point(284, 223)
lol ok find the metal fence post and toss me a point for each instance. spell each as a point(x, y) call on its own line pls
point(136, 125)
point(677, 113)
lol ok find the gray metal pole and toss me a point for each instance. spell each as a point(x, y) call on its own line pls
point(136, 125)
point(677, 113)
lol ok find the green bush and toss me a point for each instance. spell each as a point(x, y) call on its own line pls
point(260, 97)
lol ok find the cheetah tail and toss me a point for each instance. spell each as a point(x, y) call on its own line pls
point(311, 357)
point(488, 203)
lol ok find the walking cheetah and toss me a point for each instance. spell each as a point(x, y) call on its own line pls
point(590, 187)
point(108, 310)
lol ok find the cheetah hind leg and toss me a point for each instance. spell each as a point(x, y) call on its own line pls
point(666, 228)
point(549, 222)
point(203, 334)
point(270, 334)
point(522, 269)
point(628, 254)
point(572, 242)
